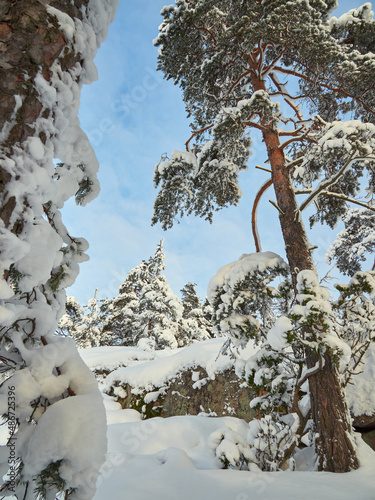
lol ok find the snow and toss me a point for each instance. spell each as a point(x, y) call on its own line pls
point(230, 274)
point(5, 290)
point(354, 16)
point(360, 394)
point(146, 370)
point(171, 458)
point(65, 431)
point(179, 457)
point(276, 335)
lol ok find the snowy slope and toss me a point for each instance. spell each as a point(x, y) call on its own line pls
point(171, 458)
point(165, 459)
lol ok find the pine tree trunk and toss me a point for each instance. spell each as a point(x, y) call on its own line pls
point(30, 40)
point(330, 413)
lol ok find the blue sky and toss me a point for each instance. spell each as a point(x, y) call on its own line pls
point(132, 116)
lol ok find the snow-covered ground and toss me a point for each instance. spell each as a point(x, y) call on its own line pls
point(169, 458)
point(165, 459)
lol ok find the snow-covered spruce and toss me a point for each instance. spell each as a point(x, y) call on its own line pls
point(85, 324)
point(60, 420)
point(145, 312)
point(194, 326)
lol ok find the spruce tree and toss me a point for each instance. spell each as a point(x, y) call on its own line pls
point(145, 308)
point(235, 61)
point(120, 313)
point(193, 326)
point(159, 308)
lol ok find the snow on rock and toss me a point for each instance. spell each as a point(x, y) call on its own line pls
point(361, 393)
point(145, 370)
point(111, 357)
point(177, 457)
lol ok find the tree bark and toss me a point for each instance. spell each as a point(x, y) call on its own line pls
point(30, 40)
point(334, 445)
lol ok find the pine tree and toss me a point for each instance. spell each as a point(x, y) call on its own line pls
point(120, 313)
point(235, 61)
point(193, 326)
point(46, 55)
point(72, 319)
point(159, 308)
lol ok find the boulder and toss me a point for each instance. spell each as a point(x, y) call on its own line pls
point(191, 392)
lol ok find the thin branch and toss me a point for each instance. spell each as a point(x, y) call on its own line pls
point(277, 207)
point(255, 125)
point(236, 82)
point(203, 29)
point(303, 137)
point(328, 182)
point(254, 226)
point(269, 68)
point(263, 168)
point(286, 97)
point(260, 193)
point(325, 85)
point(339, 196)
point(309, 373)
point(196, 133)
point(289, 133)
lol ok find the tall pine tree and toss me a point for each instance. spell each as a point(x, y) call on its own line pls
point(235, 61)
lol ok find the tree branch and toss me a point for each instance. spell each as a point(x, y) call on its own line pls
point(260, 193)
point(254, 226)
point(286, 97)
point(196, 133)
point(202, 28)
point(325, 85)
point(339, 196)
point(332, 180)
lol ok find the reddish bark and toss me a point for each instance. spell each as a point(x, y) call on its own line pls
point(329, 411)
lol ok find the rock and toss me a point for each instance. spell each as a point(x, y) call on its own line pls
point(369, 438)
point(364, 422)
point(192, 393)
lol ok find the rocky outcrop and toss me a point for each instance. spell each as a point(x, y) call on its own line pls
point(191, 393)
point(361, 398)
point(197, 380)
